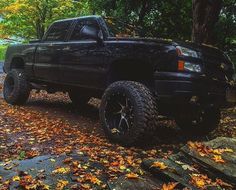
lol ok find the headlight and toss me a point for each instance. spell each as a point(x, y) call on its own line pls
point(187, 66)
point(192, 67)
point(183, 51)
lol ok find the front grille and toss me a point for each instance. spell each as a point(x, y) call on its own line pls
point(218, 67)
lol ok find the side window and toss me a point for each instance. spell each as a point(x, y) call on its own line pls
point(58, 31)
point(80, 24)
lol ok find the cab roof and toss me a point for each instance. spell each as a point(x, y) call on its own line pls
point(76, 18)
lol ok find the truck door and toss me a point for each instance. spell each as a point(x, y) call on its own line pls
point(83, 58)
point(47, 58)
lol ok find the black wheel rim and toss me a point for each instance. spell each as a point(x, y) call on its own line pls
point(198, 118)
point(119, 114)
point(9, 86)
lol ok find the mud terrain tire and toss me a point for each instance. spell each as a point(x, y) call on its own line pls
point(16, 88)
point(128, 112)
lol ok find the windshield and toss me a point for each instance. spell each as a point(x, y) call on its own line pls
point(121, 29)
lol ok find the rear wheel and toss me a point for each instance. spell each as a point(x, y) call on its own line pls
point(16, 88)
point(78, 99)
point(200, 122)
point(128, 112)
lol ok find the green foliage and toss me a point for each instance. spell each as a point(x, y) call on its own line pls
point(226, 27)
point(3, 49)
point(163, 19)
point(30, 18)
point(168, 19)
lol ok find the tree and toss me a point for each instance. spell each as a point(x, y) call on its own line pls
point(205, 16)
point(30, 18)
point(164, 19)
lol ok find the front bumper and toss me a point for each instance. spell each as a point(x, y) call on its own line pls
point(184, 88)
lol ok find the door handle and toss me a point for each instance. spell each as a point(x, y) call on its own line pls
point(66, 48)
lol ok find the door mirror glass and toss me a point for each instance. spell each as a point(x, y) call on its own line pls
point(90, 32)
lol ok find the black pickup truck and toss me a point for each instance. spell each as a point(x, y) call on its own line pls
point(137, 79)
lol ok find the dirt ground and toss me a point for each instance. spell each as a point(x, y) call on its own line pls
point(48, 124)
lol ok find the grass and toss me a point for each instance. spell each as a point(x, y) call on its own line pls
point(3, 49)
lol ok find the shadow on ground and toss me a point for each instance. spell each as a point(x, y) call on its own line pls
point(166, 134)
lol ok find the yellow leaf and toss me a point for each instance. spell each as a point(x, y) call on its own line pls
point(61, 184)
point(16, 178)
point(217, 151)
point(200, 181)
point(122, 167)
point(159, 165)
point(218, 159)
point(61, 171)
point(228, 150)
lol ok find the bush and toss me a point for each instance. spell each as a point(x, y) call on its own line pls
point(3, 49)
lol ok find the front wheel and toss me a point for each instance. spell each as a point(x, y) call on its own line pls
point(200, 121)
point(128, 112)
point(16, 88)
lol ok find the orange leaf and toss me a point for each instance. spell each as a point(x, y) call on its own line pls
point(132, 176)
point(169, 186)
point(200, 180)
point(115, 164)
point(159, 165)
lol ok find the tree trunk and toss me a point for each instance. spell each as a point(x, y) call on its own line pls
point(143, 12)
point(205, 16)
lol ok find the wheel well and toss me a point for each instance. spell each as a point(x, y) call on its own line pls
point(17, 63)
point(132, 70)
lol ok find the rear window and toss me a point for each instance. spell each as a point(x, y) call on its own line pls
point(58, 31)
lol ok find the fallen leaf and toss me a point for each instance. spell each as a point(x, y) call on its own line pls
point(228, 150)
point(115, 164)
point(67, 160)
point(200, 180)
point(218, 159)
point(169, 186)
point(122, 167)
point(188, 167)
point(61, 184)
point(16, 178)
point(221, 183)
point(132, 176)
point(159, 165)
point(61, 171)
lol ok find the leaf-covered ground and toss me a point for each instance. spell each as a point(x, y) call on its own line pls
point(48, 124)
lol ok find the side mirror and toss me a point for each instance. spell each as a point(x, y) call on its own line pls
point(92, 33)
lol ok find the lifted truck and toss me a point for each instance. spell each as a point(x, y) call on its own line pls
point(136, 78)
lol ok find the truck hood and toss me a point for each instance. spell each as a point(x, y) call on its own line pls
point(198, 47)
point(147, 40)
